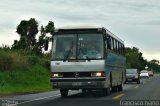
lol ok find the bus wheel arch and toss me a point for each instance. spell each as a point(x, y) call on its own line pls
point(120, 87)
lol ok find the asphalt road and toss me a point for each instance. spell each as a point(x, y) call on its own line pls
point(133, 93)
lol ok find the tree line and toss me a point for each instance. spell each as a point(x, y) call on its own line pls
point(135, 59)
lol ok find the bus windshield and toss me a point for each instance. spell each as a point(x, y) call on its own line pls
point(81, 46)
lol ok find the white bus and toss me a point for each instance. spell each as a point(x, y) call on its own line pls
point(87, 58)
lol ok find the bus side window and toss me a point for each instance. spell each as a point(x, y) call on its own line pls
point(112, 44)
point(115, 46)
point(123, 50)
point(109, 43)
point(120, 48)
point(118, 45)
point(106, 45)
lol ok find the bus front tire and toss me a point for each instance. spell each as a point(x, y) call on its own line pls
point(120, 87)
point(106, 91)
point(138, 81)
point(64, 92)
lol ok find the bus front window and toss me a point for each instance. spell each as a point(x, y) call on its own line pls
point(65, 47)
point(90, 46)
point(81, 46)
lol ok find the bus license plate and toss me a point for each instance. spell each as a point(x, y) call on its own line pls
point(129, 79)
point(76, 83)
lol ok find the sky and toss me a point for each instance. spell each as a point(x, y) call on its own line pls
point(136, 22)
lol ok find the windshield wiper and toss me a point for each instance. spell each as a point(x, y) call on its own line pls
point(68, 54)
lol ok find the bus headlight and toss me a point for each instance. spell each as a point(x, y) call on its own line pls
point(98, 74)
point(56, 75)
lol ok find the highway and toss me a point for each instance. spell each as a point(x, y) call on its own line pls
point(149, 89)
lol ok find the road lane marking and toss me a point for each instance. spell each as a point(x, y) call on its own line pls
point(37, 99)
point(118, 96)
point(136, 86)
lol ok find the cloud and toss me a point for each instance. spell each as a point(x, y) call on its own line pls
point(132, 11)
point(153, 22)
point(75, 11)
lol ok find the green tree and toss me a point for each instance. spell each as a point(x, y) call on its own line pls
point(154, 65)
point(27, 31)
point(41, 40)
point(154, 61)
point(50, 28)
point(134, 58)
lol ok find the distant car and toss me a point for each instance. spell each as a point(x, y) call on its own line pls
point(144, 74)
point(132, 75)
point(150, 73)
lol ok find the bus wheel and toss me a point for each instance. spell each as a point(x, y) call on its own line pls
point(64, 92)
point(115, 89)
point(138, 81)
point(84, 91)
point(106, 91)
point(120, 87)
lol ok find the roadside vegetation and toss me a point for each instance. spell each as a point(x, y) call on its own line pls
point(135, 59)
point(24, 68)
point(21, 72)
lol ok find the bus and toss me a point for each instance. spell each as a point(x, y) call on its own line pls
point(87, 59)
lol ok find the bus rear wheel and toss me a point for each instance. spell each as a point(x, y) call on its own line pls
point(64, 92)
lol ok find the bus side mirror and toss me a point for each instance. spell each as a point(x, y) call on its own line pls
point(46, 44)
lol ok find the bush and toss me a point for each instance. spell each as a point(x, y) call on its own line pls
point(10, 60)
point(31, 79)
point(5, 61)
point(23, 71)
point(32, 59)
point(19, 61)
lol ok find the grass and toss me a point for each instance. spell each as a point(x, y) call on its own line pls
point(23, 72)
point(23, 80)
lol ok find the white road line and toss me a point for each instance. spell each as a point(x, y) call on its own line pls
point(45, 98)
point(38, 99)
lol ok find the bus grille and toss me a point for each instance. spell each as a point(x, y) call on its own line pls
point(76, 74)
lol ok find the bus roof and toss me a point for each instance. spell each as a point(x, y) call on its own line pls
point(80, 27)
point(114, 36)
point(90, 27)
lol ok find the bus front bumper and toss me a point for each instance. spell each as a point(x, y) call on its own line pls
point(78, 83)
